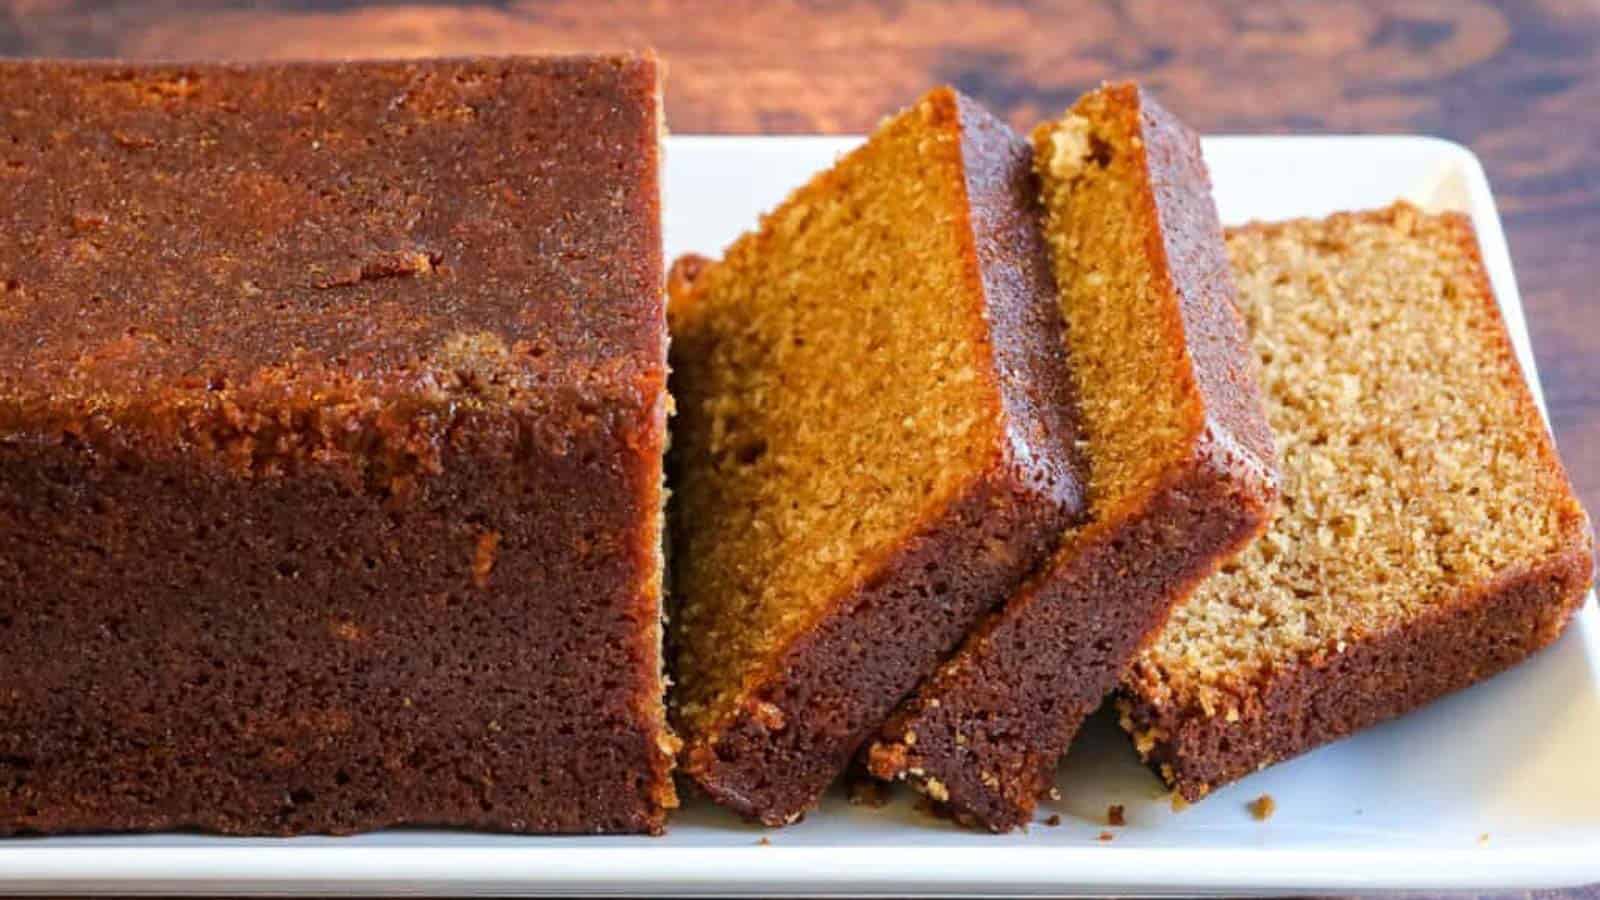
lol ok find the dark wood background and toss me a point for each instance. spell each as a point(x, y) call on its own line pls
point(1517, 81)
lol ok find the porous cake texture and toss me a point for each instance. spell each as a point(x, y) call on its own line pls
point(1181, 470)
point(332, 412)
point(1428, 537)
point(873, 445)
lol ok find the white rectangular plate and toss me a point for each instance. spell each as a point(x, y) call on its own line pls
point(1495, 787)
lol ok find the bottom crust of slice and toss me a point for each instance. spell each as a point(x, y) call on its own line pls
point(773, 758)
point(982, 738)
point(1334, 695)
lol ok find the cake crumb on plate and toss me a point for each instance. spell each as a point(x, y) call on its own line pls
point(1263, 807)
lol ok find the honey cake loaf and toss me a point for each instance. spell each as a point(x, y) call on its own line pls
point(332, 413)
point(873, 443)
point(1181, 471)
point(1428, 537)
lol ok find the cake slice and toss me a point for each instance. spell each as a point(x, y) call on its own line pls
point(332, 414)
point(1428, 537)
point(1181, 471)
point(873, 444)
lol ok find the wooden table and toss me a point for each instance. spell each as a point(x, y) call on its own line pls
point(1517, 81)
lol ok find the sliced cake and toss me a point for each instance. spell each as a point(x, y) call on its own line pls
point(873, 444)
point(1428, 537)
point(1181, 471)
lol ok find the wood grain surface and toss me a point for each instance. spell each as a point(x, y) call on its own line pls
point(1517, 81)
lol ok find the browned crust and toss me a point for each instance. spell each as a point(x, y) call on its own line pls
point(794, 735)
point(380, 684)
point(983, 736)
point(773, 758)
point(1331, 695)
point(224, 606)
point(648, 471)
point(990, 727)
point(319, 187)
point(1024, 328)
point(1196, 263)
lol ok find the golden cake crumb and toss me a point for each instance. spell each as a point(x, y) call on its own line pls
point(768, 715)
point(1263, 807)
point(1070, 147)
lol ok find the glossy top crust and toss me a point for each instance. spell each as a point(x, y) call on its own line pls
point(186, 227)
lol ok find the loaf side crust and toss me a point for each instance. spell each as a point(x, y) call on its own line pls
point(311, 520)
